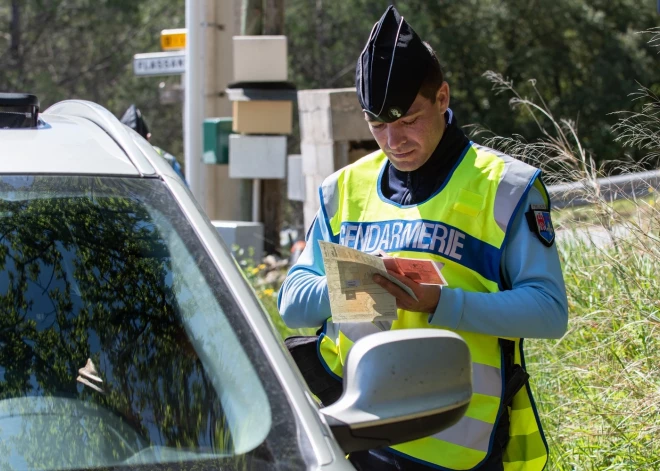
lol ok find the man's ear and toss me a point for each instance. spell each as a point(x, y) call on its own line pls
point(442, 97)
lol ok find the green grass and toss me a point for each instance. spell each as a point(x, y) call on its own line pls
point(598, 388)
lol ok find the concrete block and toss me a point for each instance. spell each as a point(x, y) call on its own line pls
point(315, 118)
point(331, 115)
point(283, 92)
point(325, 160)
point(260, 59)
point(312, 185)
point(329, 121)
point(262, 117)
point(248, 236)
point(348, 122)
point(308, 152)
point(318, 159)
point(295, 179)
point(257, 156)
point(339, 157)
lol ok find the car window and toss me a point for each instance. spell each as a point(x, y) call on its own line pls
point(120, 345)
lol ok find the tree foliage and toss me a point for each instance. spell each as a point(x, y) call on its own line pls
point(63, 49)
point(586, 55)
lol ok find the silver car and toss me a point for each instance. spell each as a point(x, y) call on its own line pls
point(130, 340)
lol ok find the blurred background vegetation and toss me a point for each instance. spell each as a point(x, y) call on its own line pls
point(586, 55)
point(63, 49)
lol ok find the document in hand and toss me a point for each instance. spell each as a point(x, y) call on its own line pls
point(354, 296)
point(425, 272)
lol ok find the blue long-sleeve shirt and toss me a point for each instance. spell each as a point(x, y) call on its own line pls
point(535, 306)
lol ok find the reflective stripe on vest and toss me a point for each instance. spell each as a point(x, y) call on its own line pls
point(464, 226)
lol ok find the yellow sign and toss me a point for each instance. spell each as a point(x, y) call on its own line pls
point(173, 39)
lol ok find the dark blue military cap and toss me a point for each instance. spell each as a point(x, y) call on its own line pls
point(133, 119)
point(391, 68)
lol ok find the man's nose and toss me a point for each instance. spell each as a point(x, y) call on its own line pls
point(396, 136)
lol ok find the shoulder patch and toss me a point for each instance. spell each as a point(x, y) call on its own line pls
point(538, 219)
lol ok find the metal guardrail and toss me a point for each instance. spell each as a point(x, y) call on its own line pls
point(581, 193)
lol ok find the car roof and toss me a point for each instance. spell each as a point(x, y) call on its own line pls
point(74, 137)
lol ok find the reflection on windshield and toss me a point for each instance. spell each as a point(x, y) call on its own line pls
point(113, 348)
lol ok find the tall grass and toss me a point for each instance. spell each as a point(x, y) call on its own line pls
point(598, 388)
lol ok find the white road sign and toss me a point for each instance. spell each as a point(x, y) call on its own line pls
point(159, 63)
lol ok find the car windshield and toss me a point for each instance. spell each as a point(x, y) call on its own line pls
point(120, 344)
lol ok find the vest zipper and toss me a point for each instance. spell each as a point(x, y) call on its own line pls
point(410, 192)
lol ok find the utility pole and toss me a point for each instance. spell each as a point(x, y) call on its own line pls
point(210, 26)
point(194, 99)
point(266, 17)
point(225, 199)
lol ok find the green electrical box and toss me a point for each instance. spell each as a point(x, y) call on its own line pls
point(216, 140)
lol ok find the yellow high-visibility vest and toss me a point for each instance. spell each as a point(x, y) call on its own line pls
point(464, 225)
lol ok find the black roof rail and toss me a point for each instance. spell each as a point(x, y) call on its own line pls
point(18, 110)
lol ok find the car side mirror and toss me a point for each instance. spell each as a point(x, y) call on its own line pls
point(401, 385)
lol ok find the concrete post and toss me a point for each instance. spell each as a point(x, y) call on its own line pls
point(331, 123)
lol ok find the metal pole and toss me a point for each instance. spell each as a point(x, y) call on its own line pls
point(194, 99)
point(256, 200)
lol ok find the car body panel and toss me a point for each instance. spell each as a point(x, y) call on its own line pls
point(74, 146)
point(109, 123)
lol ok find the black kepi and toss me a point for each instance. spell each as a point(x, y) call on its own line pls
point(391, 68)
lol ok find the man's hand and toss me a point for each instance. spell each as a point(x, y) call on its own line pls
point(428, 296)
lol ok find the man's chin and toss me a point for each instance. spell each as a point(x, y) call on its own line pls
point(404, 164)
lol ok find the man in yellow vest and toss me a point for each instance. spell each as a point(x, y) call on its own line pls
point(431, 193)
